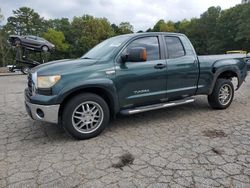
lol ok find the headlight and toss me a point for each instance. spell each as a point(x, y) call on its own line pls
point(47, 81)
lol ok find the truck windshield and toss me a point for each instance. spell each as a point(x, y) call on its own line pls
point(106, 48)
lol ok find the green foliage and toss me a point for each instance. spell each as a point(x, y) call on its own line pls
point(162, 26)
point(6, 56)
point(25, 21)
point(1, 16)
point(125, 28)
point(88, 31)
point(234, 28)
point(182, 25)
point(57, 38)
point(62, 25)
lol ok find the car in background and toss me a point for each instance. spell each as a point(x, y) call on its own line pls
point(13, 68)
point(31, 42)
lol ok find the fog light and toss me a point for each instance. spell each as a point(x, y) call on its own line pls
point(40, 113)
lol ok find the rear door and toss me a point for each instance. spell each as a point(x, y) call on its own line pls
point(182, 68)
point(141, 83)
point(32, 41)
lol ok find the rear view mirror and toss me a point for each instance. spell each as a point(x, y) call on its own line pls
point(136, 54)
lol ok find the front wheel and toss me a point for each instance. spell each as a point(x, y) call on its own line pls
point(222, 95)
point(85, 116)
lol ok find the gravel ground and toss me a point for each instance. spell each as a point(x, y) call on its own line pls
point(185, 146)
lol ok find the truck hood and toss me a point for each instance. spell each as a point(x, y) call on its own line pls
point(62, 66)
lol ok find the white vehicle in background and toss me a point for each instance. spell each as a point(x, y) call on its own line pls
point(13, 68)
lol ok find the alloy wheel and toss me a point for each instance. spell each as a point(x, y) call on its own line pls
point(87, 117)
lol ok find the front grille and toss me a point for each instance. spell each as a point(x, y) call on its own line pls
point(30, 83)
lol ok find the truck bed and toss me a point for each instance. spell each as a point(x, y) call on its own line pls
point(213, 58)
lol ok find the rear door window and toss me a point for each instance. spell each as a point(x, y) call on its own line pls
point(174, 47)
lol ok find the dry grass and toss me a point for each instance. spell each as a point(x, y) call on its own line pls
point(4, 70)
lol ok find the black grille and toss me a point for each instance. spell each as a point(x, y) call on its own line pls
point(30, 82)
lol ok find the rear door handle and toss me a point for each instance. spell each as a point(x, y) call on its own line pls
point(160, 66)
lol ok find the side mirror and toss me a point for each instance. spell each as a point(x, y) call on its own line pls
point(136, 54)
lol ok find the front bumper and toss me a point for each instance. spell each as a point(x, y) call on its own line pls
point(47, 113)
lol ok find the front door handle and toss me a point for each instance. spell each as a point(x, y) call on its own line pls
point(160, 66)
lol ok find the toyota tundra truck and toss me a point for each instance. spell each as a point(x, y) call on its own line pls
point(129, 74)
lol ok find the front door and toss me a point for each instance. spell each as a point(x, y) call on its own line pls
point(141, 83)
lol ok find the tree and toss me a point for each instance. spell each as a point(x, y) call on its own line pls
point(162, 26)
point(62, 25)
point(87, 31)
point(125, 28)
point(203, 31)
point(182, 26)
point(195, 35)
point(25, 22)
point(234, 28)
point(4, 46)
point(208, 26)
point(61, 47)
point(4, 49)
point(115, 28)
point(57, 38)
point(1, 16)
point(149, 30)
point(243, 33)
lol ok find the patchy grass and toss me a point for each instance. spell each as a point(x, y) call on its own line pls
point(214, 133)
point(4, 70)
point(124, 160)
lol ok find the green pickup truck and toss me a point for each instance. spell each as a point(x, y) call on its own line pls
point(129, 74)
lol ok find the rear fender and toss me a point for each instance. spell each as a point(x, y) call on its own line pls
point(233, 66)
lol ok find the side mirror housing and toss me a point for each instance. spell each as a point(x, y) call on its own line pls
point(136, 54)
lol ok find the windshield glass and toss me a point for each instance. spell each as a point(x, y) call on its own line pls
point(106, 48)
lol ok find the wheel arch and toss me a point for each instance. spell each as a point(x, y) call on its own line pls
point(226, 74)
point(104, 93)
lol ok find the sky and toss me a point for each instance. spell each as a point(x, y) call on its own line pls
point(142, 14)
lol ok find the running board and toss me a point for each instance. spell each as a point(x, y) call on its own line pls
point(156, 106)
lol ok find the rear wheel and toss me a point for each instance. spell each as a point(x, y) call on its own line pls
point(222, 95)
point(25, 69)
point(45, 48)
point(85, 116)
point(17, 42)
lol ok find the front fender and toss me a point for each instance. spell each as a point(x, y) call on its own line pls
point(104, 84)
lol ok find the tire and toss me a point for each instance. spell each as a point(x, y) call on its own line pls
point(45, 48)
point(88, 123)
point(25, 70)
point(218, 99)
point(17, 42)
